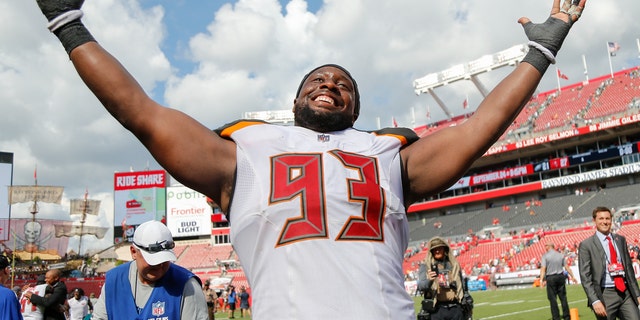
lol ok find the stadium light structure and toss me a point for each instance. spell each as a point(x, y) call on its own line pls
point(274, 116)
point(469, 71)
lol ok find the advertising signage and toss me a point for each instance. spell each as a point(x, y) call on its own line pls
point(188, 213)
point(138, 197)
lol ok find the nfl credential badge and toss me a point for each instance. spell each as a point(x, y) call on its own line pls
point(157, 308)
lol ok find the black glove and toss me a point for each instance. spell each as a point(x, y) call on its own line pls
point(54, 8)
point(68, 27)
point(546, 38)
point(550, 34)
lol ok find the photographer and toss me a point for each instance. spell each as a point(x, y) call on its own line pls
point(440, 278)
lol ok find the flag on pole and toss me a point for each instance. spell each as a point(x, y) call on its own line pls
point(395, 123)
point(35, 174)
point(562, 75)
point(613, 47)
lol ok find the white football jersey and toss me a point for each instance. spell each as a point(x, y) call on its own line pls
point(318, 222)
point(78, 308)
point(29, 310)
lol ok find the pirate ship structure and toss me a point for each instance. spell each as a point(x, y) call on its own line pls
point(35, 239)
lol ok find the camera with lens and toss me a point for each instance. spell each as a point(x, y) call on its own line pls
point(423, 315)
point(428, 305)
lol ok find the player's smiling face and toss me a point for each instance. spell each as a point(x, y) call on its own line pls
point(325, 102)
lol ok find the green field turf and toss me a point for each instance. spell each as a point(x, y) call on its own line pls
point(524, 304)
point(511, 304)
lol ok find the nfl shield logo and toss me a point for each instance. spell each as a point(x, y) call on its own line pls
point(323, 138)
point(157, 308)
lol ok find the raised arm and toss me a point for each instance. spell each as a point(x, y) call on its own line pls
point(435, 162)
point(188, 150)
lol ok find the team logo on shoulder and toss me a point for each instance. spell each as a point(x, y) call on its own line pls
point(157, 308)
point(323, 137)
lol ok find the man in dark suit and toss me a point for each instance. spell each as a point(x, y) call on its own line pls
point(53, 304)
point(606, 272)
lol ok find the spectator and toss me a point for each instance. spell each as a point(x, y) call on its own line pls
point(441, 278)
point(231, 301)
point(151, 286)
point(92, 298)
point(79, 305)
point(29, 310)
point(222, 300)
point(244, 302)
point(210, 297)
point(9, 305)
point(606, 271)
point(552, 273)
point(53, 303)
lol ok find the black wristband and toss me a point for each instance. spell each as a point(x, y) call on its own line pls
point(73, 35)
point(538, 60)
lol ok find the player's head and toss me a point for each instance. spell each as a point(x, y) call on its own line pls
point(327, 99)
point(4, 262)
point(78, 293)
point(5, 270)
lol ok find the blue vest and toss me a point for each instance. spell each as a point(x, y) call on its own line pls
point(164, 302)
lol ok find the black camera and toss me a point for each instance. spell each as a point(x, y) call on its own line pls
point(428, 305)
point(434, 268)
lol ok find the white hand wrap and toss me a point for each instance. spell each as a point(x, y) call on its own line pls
point(547, 53)
point(63, 19)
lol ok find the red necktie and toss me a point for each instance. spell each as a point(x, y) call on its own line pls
point(619, 281)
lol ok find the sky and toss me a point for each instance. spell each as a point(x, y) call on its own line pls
point(215, 60)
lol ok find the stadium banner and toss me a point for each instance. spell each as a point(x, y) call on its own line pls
point(138, 197)
point(564, 134)
point(188, 213)
point(48, 194)
point(37, 238)
point(475, 197)
point(552, 164)
point(591, 176)
point(504, 174)
point(6, 174)
point(499, 175)
point(602, 154)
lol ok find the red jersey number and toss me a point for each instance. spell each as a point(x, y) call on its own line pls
point(301, 175)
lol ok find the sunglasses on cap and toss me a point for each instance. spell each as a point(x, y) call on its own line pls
point(158, 246)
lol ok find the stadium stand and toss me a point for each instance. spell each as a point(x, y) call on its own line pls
point(564, 106)
point(502, 225)
point(619, 95)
